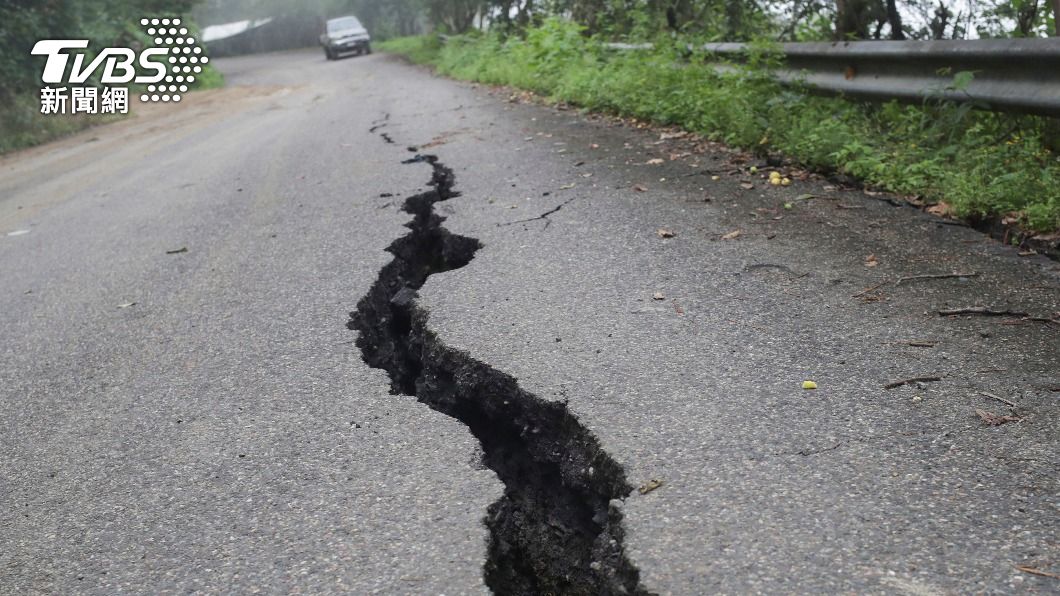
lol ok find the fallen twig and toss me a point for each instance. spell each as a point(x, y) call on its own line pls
point(894, 384)
point(982, 311)
point(992, 419)
point(922, 344)
point(999, 398)
point(867, 290)
point(902, 280)
point(1033, 571)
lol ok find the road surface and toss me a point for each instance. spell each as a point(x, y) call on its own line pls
point(579, 369)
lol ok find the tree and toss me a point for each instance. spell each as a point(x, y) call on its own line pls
point(853, 18)
point(104, 22)
point(454, 16)
point(894, 19)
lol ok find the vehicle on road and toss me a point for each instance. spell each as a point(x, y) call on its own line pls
point(345, 34)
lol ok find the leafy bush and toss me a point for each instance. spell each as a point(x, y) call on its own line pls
point(980, 163)
point(105, 23)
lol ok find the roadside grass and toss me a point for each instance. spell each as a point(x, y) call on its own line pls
point(209, 78)
point(420, 49)
point(22, 125)
point(973, 163)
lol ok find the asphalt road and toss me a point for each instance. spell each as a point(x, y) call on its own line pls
point(184, 409)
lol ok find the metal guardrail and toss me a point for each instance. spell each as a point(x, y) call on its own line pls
point(1018, 75)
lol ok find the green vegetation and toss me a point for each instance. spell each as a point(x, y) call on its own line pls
point(104, 22)
point(209, 78)
point(978, 163)
point(22, 125)
point(423, 49)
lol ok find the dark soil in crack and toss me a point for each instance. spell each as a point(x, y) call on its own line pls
point(557, 529)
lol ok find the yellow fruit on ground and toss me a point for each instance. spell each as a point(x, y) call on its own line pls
point(809, 385)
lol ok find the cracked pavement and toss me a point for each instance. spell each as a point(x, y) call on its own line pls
point(202, 421)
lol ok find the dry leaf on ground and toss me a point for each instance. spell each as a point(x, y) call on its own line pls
point(939, 208)
point(992, 419)
point(649, 486)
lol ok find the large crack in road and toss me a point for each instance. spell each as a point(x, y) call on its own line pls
point(557, 528)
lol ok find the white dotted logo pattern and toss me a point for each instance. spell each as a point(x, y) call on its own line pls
point(185, 59)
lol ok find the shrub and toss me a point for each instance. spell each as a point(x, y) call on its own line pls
point(980, 163)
